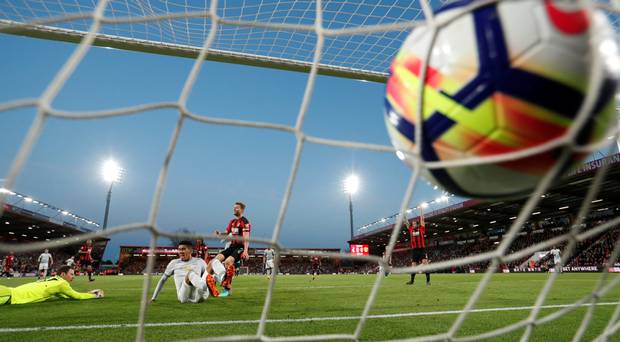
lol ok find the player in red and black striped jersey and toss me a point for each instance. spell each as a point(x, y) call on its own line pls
point(201, 250)
point(86, 259)
point(316, 266)
point(417, 233)
point(7, 265)
point(240, 228)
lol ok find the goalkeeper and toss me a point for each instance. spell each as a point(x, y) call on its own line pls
point(54, 287)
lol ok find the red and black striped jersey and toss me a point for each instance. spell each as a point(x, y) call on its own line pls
point(8, 261)
point(85, 253)
point(316, 261)
point(201, 251)
point(237, 227)
point(416, 234)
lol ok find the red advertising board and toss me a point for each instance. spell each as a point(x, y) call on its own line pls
point(359, 249)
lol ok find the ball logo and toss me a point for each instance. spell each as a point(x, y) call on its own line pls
point(569, 22)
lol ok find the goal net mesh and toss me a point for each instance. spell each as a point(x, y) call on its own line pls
point(355, 39)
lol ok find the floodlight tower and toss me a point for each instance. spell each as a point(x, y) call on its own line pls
point(112, 173)
point(351, 185)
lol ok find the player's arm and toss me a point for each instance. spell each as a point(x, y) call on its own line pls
point(66, 291)
point(226, 231)
point(422, 216)
point(246, 244)
point(51, 260)
point(160, 285)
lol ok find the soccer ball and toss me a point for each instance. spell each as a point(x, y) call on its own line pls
point(503, 78)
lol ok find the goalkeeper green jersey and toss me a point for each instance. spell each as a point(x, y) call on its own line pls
point(40, 291)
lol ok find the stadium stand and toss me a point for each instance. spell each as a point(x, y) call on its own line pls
point(473, 226)
point(27, 220)
point(132, 260)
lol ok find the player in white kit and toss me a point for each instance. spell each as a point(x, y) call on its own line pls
point(269, 255)
point(557, 259)
point(189, 276)
point(70, 262)
point(45, 263)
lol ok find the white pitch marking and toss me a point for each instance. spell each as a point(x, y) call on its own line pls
point(291, 320)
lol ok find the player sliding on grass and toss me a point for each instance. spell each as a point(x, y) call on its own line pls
point(54, 287)
point(189, 273)
point(239, 227)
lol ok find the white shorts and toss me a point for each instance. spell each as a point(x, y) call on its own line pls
point(269, 264)
point(43, 267)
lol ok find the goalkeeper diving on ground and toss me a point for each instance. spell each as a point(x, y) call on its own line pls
point(40, 291)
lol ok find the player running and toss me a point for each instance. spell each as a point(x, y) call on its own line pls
point(7, 265)
point(418, 248)
point(389, 262)
point(239, 227)
point(45, 263)
point(269, 255)
point(189, 274)
point(39, 291)
point(86, 259)
point(316, 266)
point(557, 259)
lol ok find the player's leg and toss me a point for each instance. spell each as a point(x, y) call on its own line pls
point(192, 278)
point(219, 257)
point(412, 280)
point(200, 290)
point(89, 271)
point(184, 292)
point(199, 296)
point(216, 274)
point(235, 254)
point(5, 295)
point(428, 274)
point(230, 272)
point(414, 262)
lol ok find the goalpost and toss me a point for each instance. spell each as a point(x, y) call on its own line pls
point(339, 38)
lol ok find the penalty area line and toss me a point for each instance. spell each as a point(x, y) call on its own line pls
point(289, 320)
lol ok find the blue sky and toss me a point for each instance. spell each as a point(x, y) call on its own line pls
point(213, 166)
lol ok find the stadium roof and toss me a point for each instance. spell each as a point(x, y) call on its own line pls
point(473, 216)
point(21, 224)
point(30, 206)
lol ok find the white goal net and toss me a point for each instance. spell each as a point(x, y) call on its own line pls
point(352, 39)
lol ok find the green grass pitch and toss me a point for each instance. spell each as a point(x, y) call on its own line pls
point(298, 297)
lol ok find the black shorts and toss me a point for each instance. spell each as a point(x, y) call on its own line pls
point(85, 263)
point(417, 255)
point(233, 251)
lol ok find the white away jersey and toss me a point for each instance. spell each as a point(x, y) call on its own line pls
point(556, 255)
point(45, 258)
point(269, 254)
point(179, 268)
